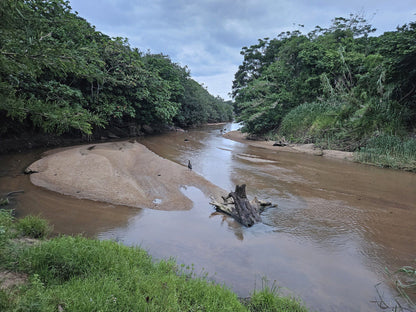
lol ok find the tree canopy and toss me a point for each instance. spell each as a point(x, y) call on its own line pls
point(340, 83)
point(59, 74)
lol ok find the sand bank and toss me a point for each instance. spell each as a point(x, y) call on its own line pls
point(123, 173)
point(300, 148)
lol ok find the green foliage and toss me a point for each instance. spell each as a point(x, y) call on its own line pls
point(307, 121)
point(334, 86)
point(33, 226)
point(199, 107)
point(58, 74)
point(34, 52)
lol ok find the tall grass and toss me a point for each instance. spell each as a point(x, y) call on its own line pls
point(304, 122)
point(389, 151)
point(34, 227)
point(268, 299)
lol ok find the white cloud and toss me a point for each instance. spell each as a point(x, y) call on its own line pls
point(207, 35)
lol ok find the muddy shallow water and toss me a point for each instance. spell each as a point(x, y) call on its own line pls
point(336, 227)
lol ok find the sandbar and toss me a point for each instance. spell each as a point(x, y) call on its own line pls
point(121, 173)
point(298, 148)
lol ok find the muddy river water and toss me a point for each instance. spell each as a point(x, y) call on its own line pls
point(337, 226)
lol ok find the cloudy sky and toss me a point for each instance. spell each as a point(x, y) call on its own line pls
point(207, 35)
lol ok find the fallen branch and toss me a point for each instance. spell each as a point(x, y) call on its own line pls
point(14, 192)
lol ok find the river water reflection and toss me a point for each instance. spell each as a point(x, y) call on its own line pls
point(337, 224)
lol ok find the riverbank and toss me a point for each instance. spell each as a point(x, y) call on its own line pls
point(297, 148)
point(69, 273)
point(122, 173)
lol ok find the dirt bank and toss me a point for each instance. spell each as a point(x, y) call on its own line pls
point(124, 173)
point(300, 148)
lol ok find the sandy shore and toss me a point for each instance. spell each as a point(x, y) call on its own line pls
point(299, 148)
point(123, 173)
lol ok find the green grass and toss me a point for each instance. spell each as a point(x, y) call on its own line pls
point(34, 227)
point(6, 221)
point(389, 151)
point(268, 299)
point(79, 274)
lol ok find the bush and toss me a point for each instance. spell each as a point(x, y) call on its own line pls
point(306, 121)
point(34, 227)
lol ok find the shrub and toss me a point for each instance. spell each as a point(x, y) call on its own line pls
point(34, 227)
point(306, 121)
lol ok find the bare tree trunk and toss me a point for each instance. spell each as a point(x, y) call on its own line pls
point(240, 208)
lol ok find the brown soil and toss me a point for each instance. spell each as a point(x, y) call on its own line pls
point(123, 173)
point(11, 279)
point(299, 148)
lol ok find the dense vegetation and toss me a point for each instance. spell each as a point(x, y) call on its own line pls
point(58, 74)
point(79, 274)
point(339, 87)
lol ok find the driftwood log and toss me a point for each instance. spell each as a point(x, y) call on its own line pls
point(237, 205)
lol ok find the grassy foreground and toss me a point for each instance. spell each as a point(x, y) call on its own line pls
point(79, 274)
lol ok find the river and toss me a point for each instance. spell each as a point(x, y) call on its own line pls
point(336, 228)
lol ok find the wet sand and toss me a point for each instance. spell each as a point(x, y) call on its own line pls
point(299, 148)
point(121, 173)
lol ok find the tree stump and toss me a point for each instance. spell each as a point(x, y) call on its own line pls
point(237, 205)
